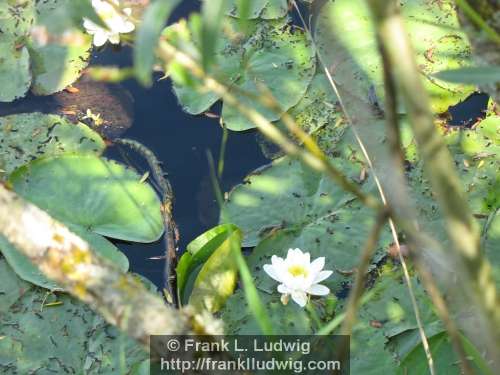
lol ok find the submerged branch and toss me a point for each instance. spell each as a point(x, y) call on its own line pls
point(167, 199)
point(119, 297)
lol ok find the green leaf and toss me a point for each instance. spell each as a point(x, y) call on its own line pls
point(217, 278)
point(15, 75)
point(58, 334)
point(213, 15)
point(446, 360)
point(32, 135)
point(268, 54)
point(491, 245)
point(198, 252)
point(472, 75)
point(265, 9)
point(27, 271)
point(347, 42)
point(287, 195)
point(11, 287)
point(100, 195)
point(146, 39)
point(43, 44)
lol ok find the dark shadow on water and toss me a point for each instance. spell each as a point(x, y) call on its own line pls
point(180, 141)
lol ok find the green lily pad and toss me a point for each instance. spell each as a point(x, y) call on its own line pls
point(491, 246)
point(33, 135)
point(446, 360)
point(265, 9)
point(347, 41)
point(286, 195)
point(216, 280)
point(27, 271)
point(11, 288)
point(16, 17)
point(100, 195)
point(15, 75)
point(55, 333)
point(45, 47)
point(271, 54)
point(287, 320)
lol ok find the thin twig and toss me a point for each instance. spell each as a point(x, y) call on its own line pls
point(392, 226)
point(360, 276)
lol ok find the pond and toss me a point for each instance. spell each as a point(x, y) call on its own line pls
point(181, 141)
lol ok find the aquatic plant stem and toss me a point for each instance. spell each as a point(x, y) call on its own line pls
point(477, 20)
point(119, 297)
point(171, 236)
point(438, 164)
point(170, 53)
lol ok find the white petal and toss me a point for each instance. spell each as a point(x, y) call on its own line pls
point(318, 290)
point(317, 265)
point(127, 27)
point(100, 37)
point(277, 262)
point(283, 289)
point(114, 38)
point(270, 270)
point(323, 275)
point(300, 298)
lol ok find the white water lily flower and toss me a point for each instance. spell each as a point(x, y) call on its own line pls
point(298, 276)
point(117, 23)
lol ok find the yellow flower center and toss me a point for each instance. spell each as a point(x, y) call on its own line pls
point(297, 270)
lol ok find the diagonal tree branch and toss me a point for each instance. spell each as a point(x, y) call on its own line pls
point(65, 258)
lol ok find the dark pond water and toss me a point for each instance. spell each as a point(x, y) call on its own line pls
point(181, 142)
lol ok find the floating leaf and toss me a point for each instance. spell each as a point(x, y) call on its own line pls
point(286, 195)
point(445, 358)
point(217, 277)
point(483, 75)
point(26, 270)
point(265, 9)
point(100, 195)
point(44, 45)
point(11, 287)
point(346, 39)
point(270, 54)
point(15, 75)
point(65, 337)
point(32, 135)
point(491, 245)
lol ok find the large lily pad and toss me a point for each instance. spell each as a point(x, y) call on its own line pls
point(287, 195)
point(271, 54)
point(27, 271)
point(58, 49)
point(54, 333)
point(25, 137)
point(100, 195)
point(347, 41)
